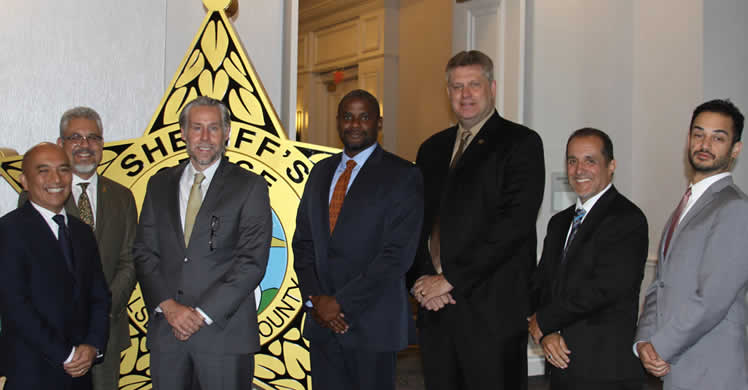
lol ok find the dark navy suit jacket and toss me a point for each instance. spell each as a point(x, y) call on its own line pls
point(46, 307)
point(363, 263)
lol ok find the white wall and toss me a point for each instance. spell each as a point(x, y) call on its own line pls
point(115, 56)
point(635, 69)
point(725, 62)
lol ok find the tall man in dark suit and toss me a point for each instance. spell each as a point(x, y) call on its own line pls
point(53, 297)
point(692, 327)
point(587, 284)
point(201, 248)
point(484, 182)
point(356, 234)
point(109, 209)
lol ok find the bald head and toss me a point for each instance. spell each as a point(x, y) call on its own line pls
point(47, 176)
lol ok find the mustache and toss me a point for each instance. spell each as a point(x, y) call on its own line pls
point(704, 151)
point(83, 150)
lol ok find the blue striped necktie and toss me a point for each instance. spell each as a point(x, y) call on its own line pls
point(578, 216)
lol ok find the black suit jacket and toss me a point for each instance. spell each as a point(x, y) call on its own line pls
point(593, 297)
point(363, 263)
point(47, 308)
point(488, 205)
point(116, 218)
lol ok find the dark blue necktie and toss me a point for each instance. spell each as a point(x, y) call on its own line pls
point(578, 216)
point(63, 238)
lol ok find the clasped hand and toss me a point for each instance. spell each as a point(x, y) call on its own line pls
point(327, 312)
point(81, 362)
point(184, 320)
point(433, 292)
point(651, 360)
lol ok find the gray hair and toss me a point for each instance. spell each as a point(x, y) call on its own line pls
point(79, 112)
point(201, 101)
point(468, 58)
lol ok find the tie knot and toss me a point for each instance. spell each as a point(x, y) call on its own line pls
point(199, 177)
point(465, 135)
point(350, 164)
point(84, 186)
point(579, 215)
point(59, 219)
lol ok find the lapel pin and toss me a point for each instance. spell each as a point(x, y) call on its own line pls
point(481, 141)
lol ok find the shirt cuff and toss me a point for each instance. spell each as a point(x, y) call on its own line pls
point(636, 352)
point(205, 316)
point(70, 357)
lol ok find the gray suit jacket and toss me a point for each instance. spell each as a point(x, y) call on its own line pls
point(695, 311)
point(116, 218)
point(219, 269)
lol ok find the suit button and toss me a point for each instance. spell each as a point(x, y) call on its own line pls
point(179, 292)
point(186, 259)
point(662, 284)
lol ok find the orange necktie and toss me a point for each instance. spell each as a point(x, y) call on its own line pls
point(338, 194)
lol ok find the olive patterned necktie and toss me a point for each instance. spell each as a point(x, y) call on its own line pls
point(84, 206)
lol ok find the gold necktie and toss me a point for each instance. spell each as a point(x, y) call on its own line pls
point(84, 206)
point(193, 206)
point(460, 148)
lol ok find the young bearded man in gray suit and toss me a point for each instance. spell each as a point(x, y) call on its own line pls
point(201, 249)
point(692, 328)
point(109, 209)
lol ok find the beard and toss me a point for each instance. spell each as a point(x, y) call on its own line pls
point(84, 169)
point(718, 164)
point(205, 162)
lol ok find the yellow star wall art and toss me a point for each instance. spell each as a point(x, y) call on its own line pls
point(216, 65)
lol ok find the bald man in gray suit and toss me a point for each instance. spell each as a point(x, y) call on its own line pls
point(692, 330)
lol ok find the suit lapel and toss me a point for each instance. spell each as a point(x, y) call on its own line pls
point(324, 193)
point(479, 146)
point(590, 223)
point(101, 204)
point(358, 195)
point(212, 199)
point(71, 208)
point(173, 193)
point(704, 200)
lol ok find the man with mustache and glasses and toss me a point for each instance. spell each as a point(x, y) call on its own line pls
point(692, 328)
point(356, 233)
point(586, 288)
point(109, 209)
point(201, 249)
point(54, 300)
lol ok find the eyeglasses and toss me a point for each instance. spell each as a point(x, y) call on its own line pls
point(78, 139)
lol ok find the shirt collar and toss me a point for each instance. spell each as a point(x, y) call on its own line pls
point(590, 203)
point(93, 180)
point(476, 128)
point(361, 157)
point(209, 172)
point(48, 214)
point(698, 189)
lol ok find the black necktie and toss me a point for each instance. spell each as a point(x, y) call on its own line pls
point(63, 238)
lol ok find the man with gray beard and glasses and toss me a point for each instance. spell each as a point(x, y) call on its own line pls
point(109, 209)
